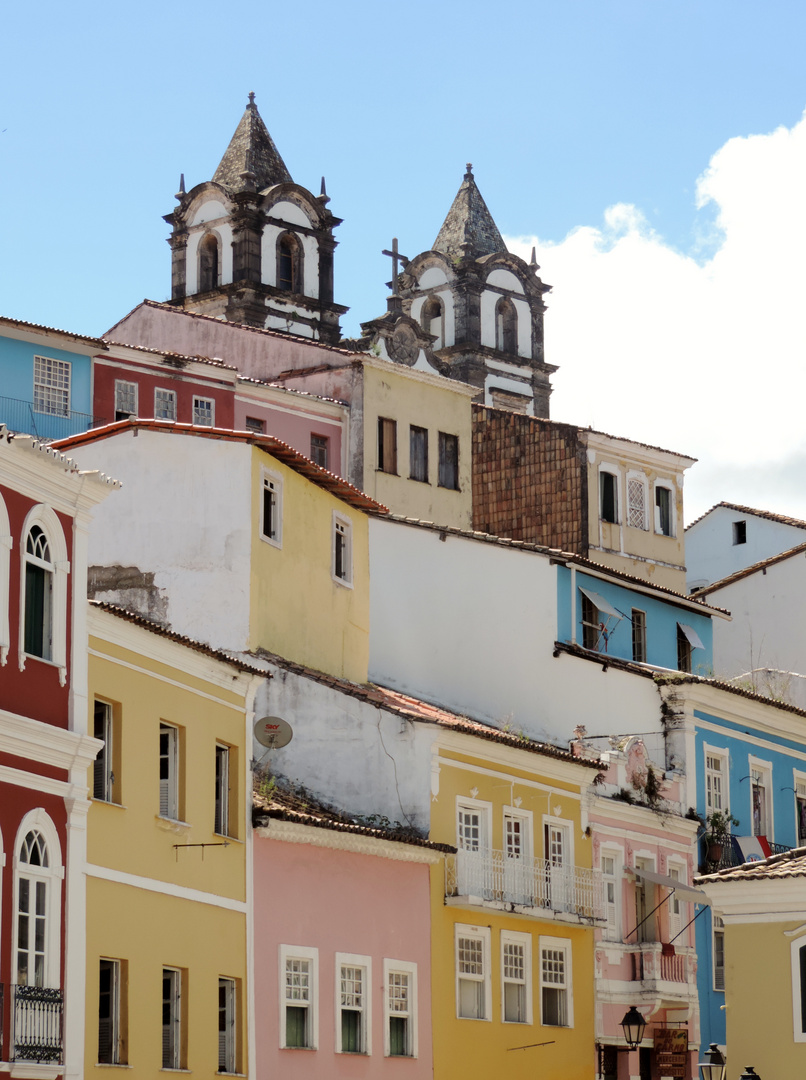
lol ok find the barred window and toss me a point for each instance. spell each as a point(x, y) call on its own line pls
point(51, 386)
point(636, 503)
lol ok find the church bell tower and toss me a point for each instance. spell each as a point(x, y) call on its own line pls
point(253, 247)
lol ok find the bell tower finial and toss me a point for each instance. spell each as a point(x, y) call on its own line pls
point(251, 97)
point(469, 173)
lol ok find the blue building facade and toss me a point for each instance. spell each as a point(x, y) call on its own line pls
point(46, 380)
point(642, 624)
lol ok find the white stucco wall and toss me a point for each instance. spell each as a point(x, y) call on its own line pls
point(489, 301)
point(768, 629)
point(310, 253)
point(366, 760)
point(188, 524)
point(223, 231)
point(712, 555)
point(449, 318)
point(472, 625)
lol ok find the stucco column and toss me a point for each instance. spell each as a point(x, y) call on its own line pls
point(75, 922)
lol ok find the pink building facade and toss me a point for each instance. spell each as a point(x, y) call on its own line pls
point(342, 983)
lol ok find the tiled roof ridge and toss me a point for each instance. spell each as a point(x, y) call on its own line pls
point(737, 575)
point(278, 334)
point(281, 802)
point(325, 479)
point(49, 449)
point(759, 868)
point(181, 639)
point(51, 330)
point(555, 553)
point(768, 515)
point(584, 430)
point(606, 659)
point(169, 354)
point(677, 678)
point(290, 389)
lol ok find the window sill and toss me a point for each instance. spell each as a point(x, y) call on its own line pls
point(117, 806)
point(230, 840)
point(112, 1065)
point(274, 542)
point(165, 1069)
point(388, 472)
point(444, 487)
point(309, 1049)
point(172, 825)
point(345, 584)
point(354, 1053)
point(417, 480)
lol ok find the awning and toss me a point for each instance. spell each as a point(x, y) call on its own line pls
point(694, 638)
point(683, 892)
point(600, 603)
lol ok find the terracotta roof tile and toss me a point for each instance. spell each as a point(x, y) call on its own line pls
point(754, 569)
point(80, 339)
point(737, 508)
point(789, 864)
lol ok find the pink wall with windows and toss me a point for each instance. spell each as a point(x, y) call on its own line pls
point(338, 902)
point(295, 419)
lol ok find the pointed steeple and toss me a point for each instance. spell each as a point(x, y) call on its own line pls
point(252, 161)
point(469, 228)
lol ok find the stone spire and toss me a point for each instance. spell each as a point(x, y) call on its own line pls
point(252, 161)
point(469, 228)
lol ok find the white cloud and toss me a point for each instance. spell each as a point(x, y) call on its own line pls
point(704, 357)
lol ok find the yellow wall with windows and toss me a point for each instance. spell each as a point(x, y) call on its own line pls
point(505, 777)
point(426, 401)
point(152, 901)
point(298, 609)
point(758, 997)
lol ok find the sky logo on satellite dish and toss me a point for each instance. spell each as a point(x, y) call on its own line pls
point(273, 732)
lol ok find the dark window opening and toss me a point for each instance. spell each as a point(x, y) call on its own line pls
point(590, 624)
point(208, 263)
point(663, 511)
point(683, 651)
point(431, 321)
point(398, 1036)
point(638, 636)
point(608, 497)
point(319, 448)
point(387, 445)
point(289, 263)
point(418, 454)
point(740, 532)
point(448, 461)
point(296, 1026)
point(506, 326)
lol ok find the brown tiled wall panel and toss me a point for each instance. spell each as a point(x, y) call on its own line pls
point(529, 479)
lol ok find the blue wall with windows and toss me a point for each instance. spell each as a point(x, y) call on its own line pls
point(780, 758)
point(661, 620)
point(17, 390)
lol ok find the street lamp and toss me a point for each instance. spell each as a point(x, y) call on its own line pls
point(634, 1026)
point(749, 1074)
point(714, 1068)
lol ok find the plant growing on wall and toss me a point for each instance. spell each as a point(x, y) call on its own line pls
point(718, 832)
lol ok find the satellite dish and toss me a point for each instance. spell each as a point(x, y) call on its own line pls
point(273, 732)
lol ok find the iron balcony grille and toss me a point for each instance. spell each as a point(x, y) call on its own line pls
point(494, 877)
point(732, 855)
point(24, 417)
point(38, 1024)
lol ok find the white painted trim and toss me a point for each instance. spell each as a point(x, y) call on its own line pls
point(46, 744)
point(301, 952)
point(367, 989)
point(59, 567)
point(754, 740)
point(545, 942)
point(512, 937)
point(483, 934)
point(164, 888)
point(724, 755)
point(52, 875)
point(671, 488)
point(798, 991)
point(273, 480)
point(410, 969)
point(347, 527)
point(485, 812)
point(764, 767)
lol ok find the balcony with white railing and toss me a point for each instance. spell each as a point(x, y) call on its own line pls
point(664, 969)
point(529, 886)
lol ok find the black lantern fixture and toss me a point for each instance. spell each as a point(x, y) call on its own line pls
point(634, 1026)
point(749, 1074)
point(714, 1068)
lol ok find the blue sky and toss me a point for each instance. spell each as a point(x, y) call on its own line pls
point(566, 110)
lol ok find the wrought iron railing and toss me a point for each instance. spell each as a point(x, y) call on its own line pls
point(38, 1014)
point(731, 854)
point(21, 416)
point(494, 877)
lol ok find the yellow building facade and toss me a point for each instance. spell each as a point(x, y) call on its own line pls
point(167, 937)
point(417, 443)
point(512, 913)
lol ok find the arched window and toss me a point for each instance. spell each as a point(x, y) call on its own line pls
point(208, 263)
point(43, 599)
point(38, 595)
point(289, 264)
point(506, 326)
point(37, 903)
point(432, 320)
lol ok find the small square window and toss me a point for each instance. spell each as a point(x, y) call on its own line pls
point(342, 550)
point(418, 454)
point(125, 399)
point(204, 412)
point(739, 532)
point(255, 425)
point(319, 450)
point(271, 509)
point(164, 404)
point(387, 445)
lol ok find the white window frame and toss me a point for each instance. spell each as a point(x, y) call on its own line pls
point(200, 405)
point(400, 967)
point(678, 910)
point(718, 927)
point(48, 522)
point(764, 768)
point(222, 755)
point(175, 1019)
point(6, 544)
point(481, 934)
point(53, 876)
point(511, 937)
point(230, 1044)
point(484, 810)
point(273, 483)
point(342, 526)
point(637, 478)
point(103, 775)
point(114, 1011)
point(123, 386)
point(668, 486)
point(722, 753)
point(46, 384)
point(564, 945)
point(615, 472)
point(364, 963)
point(172, 780)
point(170, 395)
point(300, 952)
point(612, 928)
point(798, 1034)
